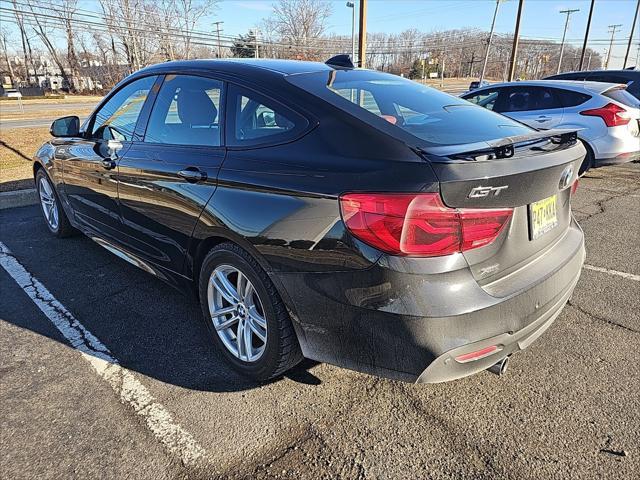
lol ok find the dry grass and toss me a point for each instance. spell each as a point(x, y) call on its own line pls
point(66, 99)
point(81, 112)
point(17, 147)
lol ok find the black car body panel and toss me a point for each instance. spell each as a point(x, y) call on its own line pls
point(163, 206)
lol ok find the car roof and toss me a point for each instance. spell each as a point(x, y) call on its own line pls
point(241, 66)
point(627, 72)
point(578, 85)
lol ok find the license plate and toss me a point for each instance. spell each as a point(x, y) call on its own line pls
point(543, 216)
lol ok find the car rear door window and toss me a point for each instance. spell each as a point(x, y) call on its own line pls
point(117, 118)
point(527, 98)
point(186, 112)
point(259, 120)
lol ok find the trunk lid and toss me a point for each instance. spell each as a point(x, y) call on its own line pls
point(514, 172)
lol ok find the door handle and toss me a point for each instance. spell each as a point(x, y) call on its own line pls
point(192, 175)
point(543, 118)
point(108, 163)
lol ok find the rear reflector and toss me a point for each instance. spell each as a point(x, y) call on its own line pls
point(611, 114)
point(420, 224)
point(574, 187)
point(478, 354)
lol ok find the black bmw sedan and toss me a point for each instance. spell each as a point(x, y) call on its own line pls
point(322, 211)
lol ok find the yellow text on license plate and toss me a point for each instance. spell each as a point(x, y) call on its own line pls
point(543, 216)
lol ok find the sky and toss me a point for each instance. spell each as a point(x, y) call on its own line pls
point(540, 19)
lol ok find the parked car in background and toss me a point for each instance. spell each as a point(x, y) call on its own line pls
point(478, 84)
point(345, 215)
point(605, 114)
point(629, 77)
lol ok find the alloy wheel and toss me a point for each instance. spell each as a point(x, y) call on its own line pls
point(48, 204)
point(237, 313)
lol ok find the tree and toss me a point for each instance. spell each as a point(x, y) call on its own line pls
point(244, 46)
point(300, 24)
point(416, 69)
point(4, 36)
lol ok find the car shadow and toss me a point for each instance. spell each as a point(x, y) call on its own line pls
point(147, 325)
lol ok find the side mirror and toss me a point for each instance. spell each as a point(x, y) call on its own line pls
point(66, 127)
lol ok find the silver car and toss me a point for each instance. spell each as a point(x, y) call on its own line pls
point(606, 114)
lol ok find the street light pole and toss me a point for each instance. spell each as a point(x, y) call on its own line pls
point(566, 25)
point(613, 32)
point(352, 6)
point(486, 54)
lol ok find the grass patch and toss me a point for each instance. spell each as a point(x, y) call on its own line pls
point(17, 147)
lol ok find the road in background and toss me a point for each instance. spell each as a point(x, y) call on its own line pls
point(569, 406)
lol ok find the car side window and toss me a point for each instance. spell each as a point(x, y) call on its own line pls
point(116, 119)
point(186, 112)
point(485, 98)
point(258, 119)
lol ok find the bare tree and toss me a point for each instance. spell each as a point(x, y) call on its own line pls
point(24, 38)
point(4, 37)
point(300, 24)
point(190, 12)
point(43, 26)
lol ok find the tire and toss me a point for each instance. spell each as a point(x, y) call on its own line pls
point(54, 215)
point(587, 163)
point(281, 350)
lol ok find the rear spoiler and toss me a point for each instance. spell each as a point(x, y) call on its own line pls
point(500, 147)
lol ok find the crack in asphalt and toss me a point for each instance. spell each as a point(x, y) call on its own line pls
point(601, 319)
point(600, 204)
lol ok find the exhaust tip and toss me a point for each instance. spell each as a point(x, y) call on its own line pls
point(499, 368)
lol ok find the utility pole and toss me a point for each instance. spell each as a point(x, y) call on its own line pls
point(256, 31)
point(362, 35)
point(566, 25)
point(471, 62)
point(633, 29)
point(612, 29)
point(586, 35)
point(516, 37)
point(217, 25)
point(444, 57)
point(486, 55)
point(352, 6)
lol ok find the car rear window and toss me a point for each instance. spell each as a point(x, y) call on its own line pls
point(394, 104)
point(622, 96)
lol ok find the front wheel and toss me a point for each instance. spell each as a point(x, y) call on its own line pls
point(245, 316)
point(52, 211)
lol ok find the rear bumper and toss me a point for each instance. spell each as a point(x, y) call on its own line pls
point(446, 367)
point(411, 326)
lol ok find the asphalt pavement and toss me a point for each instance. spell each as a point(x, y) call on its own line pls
point(164, 405)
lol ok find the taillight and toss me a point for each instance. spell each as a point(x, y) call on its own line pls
point(612, 114)
point(419, 224)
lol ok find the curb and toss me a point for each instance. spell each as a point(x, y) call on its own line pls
point(18, 198)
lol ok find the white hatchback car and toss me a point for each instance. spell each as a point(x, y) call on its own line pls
point(607, 116)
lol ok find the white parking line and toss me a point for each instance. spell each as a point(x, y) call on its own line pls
point(131, 392)
point(628, 276)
